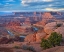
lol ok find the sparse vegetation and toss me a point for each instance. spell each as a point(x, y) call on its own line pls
point(58, 25)
point(25, 47)
point(30, 48)
point(54, 40)
point(17, 47)
point(45, 44)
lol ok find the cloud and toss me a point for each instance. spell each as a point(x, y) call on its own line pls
point(32, 5)
point(8, 4)
point(28, 2)
point(47, 0)
point(50, 5)
point(52, 9)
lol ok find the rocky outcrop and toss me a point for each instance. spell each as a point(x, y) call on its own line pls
point(39, 36)
point(29, 38)
point(50, 27)
point(53, 27)
point(41, 23)
point(36, 37)
point(47, 15)
point(3, 31)
point(27, 21)
point(14, 23)
point(60, 30)
point(54, 49)
point(5, 40)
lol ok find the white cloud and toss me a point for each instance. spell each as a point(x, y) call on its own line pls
point(50, 5)
point(51, 9)
point(29, 1)
point(23, 3)
point(8, 4)
point(47, 0)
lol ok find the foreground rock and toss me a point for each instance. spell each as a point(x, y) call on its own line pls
point(53, 27)
point(55, 49)
point(5, 40)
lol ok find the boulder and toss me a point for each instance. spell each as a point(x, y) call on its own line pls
point(29, 38)
point(50, 27)
point(36, 37)
point(39, 36)
point(60, 30)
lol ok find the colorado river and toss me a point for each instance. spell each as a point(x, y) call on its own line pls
point(11, 34)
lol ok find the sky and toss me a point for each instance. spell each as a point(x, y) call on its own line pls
point(31, 5)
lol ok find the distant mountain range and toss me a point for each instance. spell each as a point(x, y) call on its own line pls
point(6, 13)
point(30, 14)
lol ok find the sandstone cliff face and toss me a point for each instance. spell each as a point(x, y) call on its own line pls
point(47, 15)
point(13, 23)
point(27, 21)
point(48, 29)
point(36, 37)
point(29, 38)
point(42, 23)
point(60, 30)
point(39, 36)
point(17, 27)
point(52, 27)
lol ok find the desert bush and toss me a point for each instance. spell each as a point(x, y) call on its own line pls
point(58, 25)
point(31, 48)
point(45, 44)
point(17, 47)
point(54, 40)
point(25, 47)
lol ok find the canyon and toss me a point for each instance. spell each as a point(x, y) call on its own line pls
point(28, 28)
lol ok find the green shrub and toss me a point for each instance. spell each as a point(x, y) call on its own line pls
point(45, 44)
point(17, 47)
point(54, 40)
point(58, 25)
point(31, 48)
point(25, 47)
